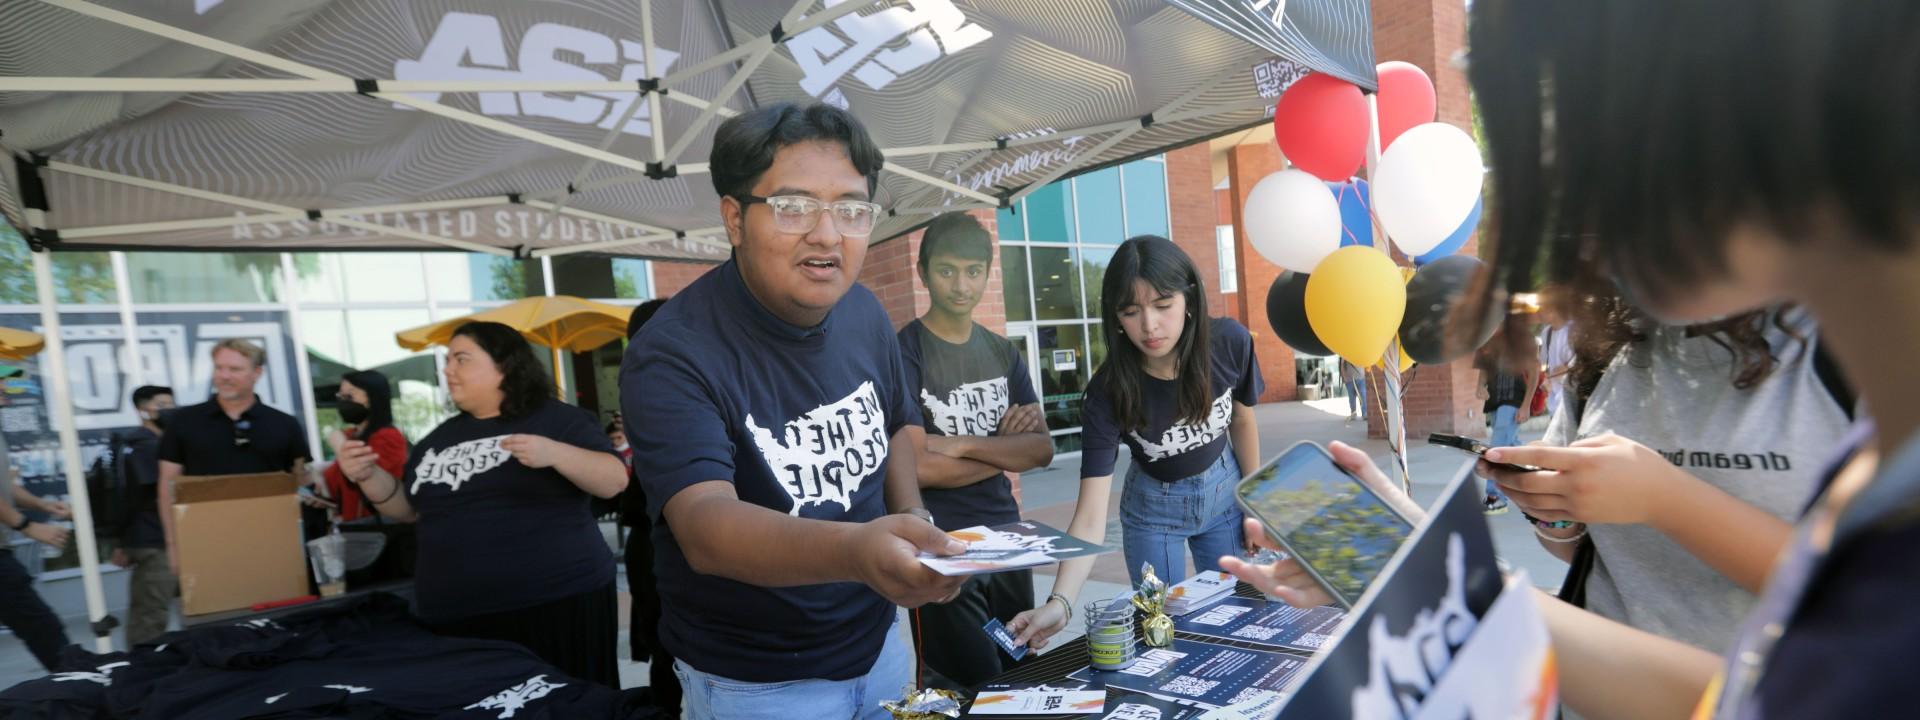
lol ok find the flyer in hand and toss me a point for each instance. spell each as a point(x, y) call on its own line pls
point(1264, 622)
point(1012, 546)
point(1212, 675)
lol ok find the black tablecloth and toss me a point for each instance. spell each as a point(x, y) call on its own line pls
point(1055, 665)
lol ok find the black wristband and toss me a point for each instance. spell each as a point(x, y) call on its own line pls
point(24, 522)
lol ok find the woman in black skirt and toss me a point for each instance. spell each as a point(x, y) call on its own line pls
point(508, 549)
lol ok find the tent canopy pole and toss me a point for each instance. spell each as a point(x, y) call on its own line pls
point(59, 406)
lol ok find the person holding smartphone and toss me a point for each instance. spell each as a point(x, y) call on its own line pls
point(1178, 389)
point(1629, 135)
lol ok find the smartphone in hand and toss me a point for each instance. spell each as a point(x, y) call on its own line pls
point(1478, 448)
point(1332, 524)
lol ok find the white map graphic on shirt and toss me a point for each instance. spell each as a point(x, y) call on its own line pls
point(971, 409)
point(454, 466)
point(1185, 437)
point(515, 699)
point(822, 456)
point(351, 690)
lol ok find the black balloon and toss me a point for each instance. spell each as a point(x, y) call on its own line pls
point(1287, 312)
point(1432, 295)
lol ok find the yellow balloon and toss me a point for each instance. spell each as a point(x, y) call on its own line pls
point(1355, 300)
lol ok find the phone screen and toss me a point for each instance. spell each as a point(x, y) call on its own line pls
point(1329, 521)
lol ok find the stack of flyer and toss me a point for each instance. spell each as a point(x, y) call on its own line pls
point(1201, 590)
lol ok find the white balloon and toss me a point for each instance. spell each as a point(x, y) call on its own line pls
point(1425, 186)
point(1293, 220)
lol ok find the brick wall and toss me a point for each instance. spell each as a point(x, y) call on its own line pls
point(1191, 212)
point(1246, 165)
point(1429, 33)
point(892, 273)
point(669, 278)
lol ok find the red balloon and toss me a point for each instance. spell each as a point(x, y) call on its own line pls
point(1406, 99)
point(1320, 124)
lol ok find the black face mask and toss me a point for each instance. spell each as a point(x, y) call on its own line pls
point(352, 412)
point(159, 419)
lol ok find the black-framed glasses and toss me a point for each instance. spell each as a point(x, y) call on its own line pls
point(242, 433)
point(799, 214)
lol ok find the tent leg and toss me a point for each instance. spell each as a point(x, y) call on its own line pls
point(59, 403)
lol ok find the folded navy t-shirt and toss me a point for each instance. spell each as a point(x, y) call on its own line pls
point(1167, 450)
point(495, 535)
point(716, 387)
point(966, 389)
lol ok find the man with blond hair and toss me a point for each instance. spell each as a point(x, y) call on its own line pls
point(231, 433)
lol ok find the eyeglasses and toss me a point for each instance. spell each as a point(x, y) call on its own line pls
point(242, 433)
point(799, 214)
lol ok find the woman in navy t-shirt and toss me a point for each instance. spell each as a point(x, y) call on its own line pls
point(508, 549)
point(1177, 389)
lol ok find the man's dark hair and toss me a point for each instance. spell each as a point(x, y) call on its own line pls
point(744, 146)
point(642, 314)
point(955, 234)
point(148, 392)
point(523, 382)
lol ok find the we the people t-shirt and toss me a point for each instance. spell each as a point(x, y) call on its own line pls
point(493, 534)
point(1167, 449)
point(799, 420)
point(966, 389)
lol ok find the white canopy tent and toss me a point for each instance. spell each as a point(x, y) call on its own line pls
point(537, 129)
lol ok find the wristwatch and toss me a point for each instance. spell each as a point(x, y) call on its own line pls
point(919, 512)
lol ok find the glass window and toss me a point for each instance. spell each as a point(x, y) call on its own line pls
point(1093, 270)
point(339, 342)
point(1097, 201)
point(1018, 294)
point(1229, 262)
point(1146, 198)
point(81, 278)
point(630, 279)
point(1049, 215)
point(359, 277)
point(476, 277)
point(1011, 225)
point(1056, 286)
point(159, 277)
point(1096, 347)
point(1063, 373)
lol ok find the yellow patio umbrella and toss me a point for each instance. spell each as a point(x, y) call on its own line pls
point(559, 322)
point(19, 344)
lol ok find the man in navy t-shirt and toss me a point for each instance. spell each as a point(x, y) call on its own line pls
point(774, 437)
point(983, 421)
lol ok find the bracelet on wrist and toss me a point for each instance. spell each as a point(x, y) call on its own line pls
point(1548, 524)
point(1542, 533)
point(1065, 604)
point(24, 522)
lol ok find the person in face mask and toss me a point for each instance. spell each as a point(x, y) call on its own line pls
point(141, 543)
point(366, 406)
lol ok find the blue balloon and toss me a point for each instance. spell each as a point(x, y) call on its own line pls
point(1454, 242)
point(1356, 223)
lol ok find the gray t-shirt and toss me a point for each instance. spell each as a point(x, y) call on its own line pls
point(1763, 445)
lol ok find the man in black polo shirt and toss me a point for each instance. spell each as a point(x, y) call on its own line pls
point(231, 433)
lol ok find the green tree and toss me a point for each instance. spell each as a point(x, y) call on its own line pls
point(509, 279)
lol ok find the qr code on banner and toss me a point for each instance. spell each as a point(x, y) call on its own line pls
point(1274, 75)
point(1311, 640)
point(1190, 686)
point(1255, 632)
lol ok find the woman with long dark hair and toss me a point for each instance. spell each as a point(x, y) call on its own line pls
point(365, 404)
point(1177, 388)
point(1632, 135)
point(508, 549)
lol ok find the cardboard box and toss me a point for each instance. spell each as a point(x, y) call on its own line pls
point(239, 541)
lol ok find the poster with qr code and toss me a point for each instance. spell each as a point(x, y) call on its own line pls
point(1206, 674)
point(1263, 622)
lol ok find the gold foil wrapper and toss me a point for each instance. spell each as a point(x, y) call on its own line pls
point(1151, 598)
point(927, 704)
